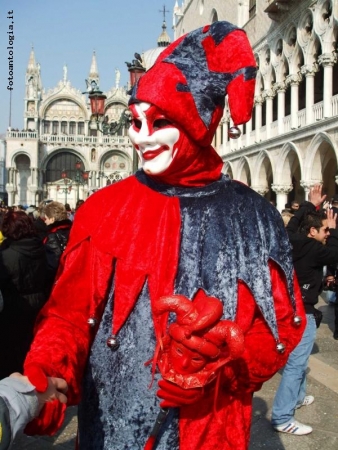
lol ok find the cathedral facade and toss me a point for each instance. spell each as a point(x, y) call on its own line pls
point(60, 154)
point(64, 152)
point(291, 142)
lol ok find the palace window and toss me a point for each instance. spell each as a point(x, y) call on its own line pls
point(46, 127)
point(252, 8)
point(72, 128)
point(64, 127)
point(80, 128)
point(55, 127)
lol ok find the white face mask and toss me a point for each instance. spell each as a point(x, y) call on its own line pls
point(154, 138)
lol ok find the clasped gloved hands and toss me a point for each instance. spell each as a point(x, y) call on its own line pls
point(174, 396)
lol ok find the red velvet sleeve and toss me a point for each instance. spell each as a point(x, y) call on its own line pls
point(261, 360)
point(62, 334)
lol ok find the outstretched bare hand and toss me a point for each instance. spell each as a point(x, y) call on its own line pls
point(331, 218)
point(315, 195)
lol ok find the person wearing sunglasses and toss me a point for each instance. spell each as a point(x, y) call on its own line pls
point(314, 241)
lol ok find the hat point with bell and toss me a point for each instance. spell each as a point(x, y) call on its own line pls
point(191, 78)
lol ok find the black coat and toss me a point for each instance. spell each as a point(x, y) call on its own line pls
point(55, 244)
point(40, 227)
point(23, 283)
point(310, 256)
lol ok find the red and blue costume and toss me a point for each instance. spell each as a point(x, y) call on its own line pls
point(185, 231)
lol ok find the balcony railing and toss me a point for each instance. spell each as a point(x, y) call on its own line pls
point(318, 111)
point(70, 139)
point(22, 134)
point(76, 139)
point(318, 114)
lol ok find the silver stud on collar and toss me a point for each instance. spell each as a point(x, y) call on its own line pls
point(113, 342)
point(280, 347)
point(297, 320)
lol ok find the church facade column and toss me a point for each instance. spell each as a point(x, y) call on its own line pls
point(294, 80)
point(92, 182)
point(225, 126)
point(86, 128)
point(248, 130)
point(309, 71)
point(33, 187)
point(327, 60)
point(280, 88)
point(281, 191)
point(307, 185)
point(258, 121)
point(261, 189)
point(268, 95)
point(218, 137)
point(11, 186)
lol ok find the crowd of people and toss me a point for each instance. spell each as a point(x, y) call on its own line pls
point(314, 239)
point(32, 242)
point(150, 309)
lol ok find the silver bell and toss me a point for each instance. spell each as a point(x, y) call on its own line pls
point(234, 132)
point(113, 342)
point(297, 320)
point(92, 321)
point(280, 347)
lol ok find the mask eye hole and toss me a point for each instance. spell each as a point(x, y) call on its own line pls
point(137, 124)
point(179, 351)
point(161, 123)
point(197, 360)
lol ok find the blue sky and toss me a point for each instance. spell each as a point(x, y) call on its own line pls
point(67, 32)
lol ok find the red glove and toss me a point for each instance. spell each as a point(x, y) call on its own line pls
point(174, 396)
point(49, 421)
point(52, 413)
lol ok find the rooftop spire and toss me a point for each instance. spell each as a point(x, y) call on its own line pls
point(33, 78)
point(31, 67)
point(93, 77)
point(164, 39)
point(93, 72)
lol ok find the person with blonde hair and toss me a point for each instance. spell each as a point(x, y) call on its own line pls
point(286, 216)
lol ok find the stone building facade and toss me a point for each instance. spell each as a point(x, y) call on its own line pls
point(61, 154)
point(291, 141)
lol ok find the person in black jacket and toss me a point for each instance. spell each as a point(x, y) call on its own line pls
point(23, 272)
point(332, 276)
point(331, 287)
point(58, 229)
point(314, 241)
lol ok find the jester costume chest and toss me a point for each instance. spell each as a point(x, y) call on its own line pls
point(206, 238)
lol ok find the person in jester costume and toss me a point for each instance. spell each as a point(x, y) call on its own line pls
point(176, 297)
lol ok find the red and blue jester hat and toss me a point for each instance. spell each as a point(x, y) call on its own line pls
point(191, 77)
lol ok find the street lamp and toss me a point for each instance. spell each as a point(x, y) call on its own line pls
point(81, 177)
point(66, 189)
point(97, 99)
point(136, 70)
